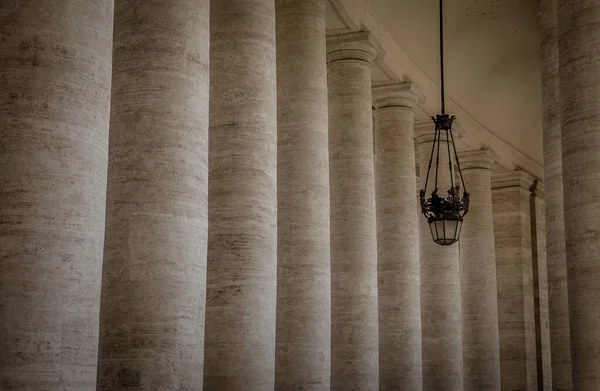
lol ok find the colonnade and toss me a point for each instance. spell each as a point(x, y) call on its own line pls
point(271, 245)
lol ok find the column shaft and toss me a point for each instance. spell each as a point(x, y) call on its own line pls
point(560, 341)
point(55, 69)
point(514, 271)
point(153, 287)
point(354, 339)
point(579, 44)
point(540, 286)
point(397, 239)
point(481, 345)
point(440, 289)
point(303, 255)
point(242, 240)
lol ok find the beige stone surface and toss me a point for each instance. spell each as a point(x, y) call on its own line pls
point(354, 338)
point(578, 32)
point(540, 286)
point(553, 181)
point(303, 256)
point(153, 288)
point(514, 268)
point(55, 67)
point(441, 318)
point(397, 239)
point(481, 345)
point(242, 197)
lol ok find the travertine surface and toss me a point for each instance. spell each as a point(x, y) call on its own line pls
point(579, 45)
point(514, 271)
point(397, 239)
point(440, 288)
point(153, 286)
point(481, 345)
point(555, 223)
point(55, 67)
point(303, 257)
point(540, 286)
point(242, 240)
point(354, 338)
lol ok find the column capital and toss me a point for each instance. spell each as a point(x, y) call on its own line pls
point(513, 179)
point(405, 95)
point(481, 159)
point(359, 46)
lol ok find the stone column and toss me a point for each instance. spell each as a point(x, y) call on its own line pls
point(560, 341)
point(514, 271)
point(354, 339)
point(303, 255)
point(578, 31)
point(153, 286)
point(397, 239)
point(481, 346)
point(55, 77)
point(440, 287)
point(540, 286)
point(242, 198)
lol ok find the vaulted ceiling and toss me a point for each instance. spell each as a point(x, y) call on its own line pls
point(492, 62)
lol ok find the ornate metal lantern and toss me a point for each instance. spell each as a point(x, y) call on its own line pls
point(444, 213)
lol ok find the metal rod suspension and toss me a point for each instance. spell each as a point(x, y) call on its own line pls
point(442, 88)
point(430, 161)
point(462, 180)
point(449, 159)
point(437, 159)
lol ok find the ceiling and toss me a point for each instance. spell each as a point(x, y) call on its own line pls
point(492, 59)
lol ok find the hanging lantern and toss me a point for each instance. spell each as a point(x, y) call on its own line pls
point(444, 212)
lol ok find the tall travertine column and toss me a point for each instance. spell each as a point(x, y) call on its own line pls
point(397, 238)
point(578, 32)
point(303, 257)
point(481, 345)
point(440, 287)
point(514, 271)
point(555, 223)
point(153, 286)
point(55, 77)
point(354, 338)
point(242, 198)
point(540, 285)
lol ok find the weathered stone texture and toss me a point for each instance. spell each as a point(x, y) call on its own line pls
point(303, 256)
point(540, 286)
point(354, 339)
point(55, 67)
point(514, 270)
point(242, 198)
point(440, 288)
point(153, 287)
point(397, 239)
point(579, 46)
point(555, 223)
point(481, 345)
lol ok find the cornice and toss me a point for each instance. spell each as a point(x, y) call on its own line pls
point(356, 14)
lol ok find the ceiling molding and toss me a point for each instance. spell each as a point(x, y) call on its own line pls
point(357, 15)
